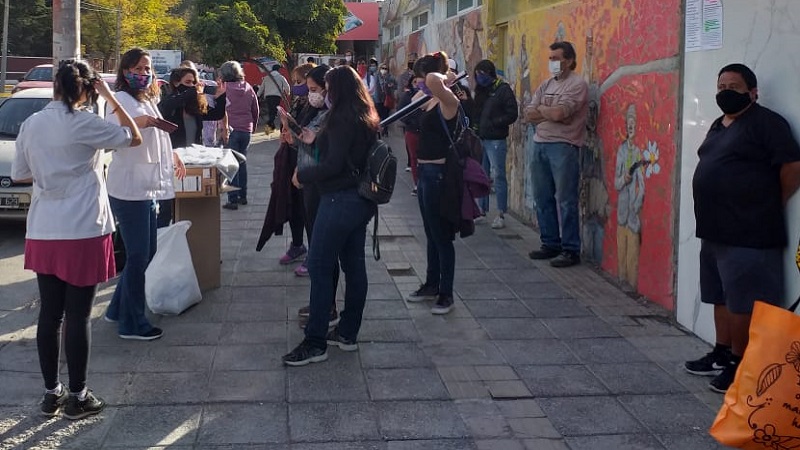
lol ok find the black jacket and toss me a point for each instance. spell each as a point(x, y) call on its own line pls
point(172, 106)
point(495, 110)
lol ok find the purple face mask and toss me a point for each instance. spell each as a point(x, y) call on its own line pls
point(424, 88)
point(300, 90)
point(328, 102)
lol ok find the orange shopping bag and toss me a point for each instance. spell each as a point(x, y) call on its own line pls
point(762, 406)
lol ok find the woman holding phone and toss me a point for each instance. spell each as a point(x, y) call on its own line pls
point(68, 239)
point(344, 140)
point(136, 181)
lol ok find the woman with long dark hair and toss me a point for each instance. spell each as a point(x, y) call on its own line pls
point(434, 146)
point(184, 104)
point(68, 240)
point(350, 129)
point(311, 119)
point(136, 181)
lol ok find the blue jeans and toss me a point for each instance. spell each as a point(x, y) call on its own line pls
point(338, 237)
point(556, 175)
point(494, 164)
point(137, 223)
point(239, 141)
point(441, 252)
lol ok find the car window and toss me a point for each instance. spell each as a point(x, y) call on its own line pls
point(14, 111)
point(40, 74)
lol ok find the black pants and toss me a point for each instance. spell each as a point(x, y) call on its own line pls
point(165, 211)
point(272, 109)
point(298, 218)
point(60, 299)
point(311, 199)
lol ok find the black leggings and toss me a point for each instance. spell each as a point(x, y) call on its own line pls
point(60, 299)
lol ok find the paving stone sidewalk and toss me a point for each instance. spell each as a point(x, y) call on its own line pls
point(530, 358)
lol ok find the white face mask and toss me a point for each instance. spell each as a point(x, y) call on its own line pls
point(384, 71)
point(316, 99)
point(348, 58)
point(555, 68)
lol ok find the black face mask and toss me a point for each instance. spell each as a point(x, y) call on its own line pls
point(182, 88)
point(732, 102)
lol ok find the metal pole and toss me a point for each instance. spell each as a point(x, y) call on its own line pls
point(66, 31)
point(119, 35)
point(4, 61)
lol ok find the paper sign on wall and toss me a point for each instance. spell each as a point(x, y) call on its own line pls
point(703, 25)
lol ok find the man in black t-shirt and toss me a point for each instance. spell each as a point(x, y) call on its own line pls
point(749, 167)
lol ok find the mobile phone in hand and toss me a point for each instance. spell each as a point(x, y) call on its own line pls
point(294, 126)
point(165, 125)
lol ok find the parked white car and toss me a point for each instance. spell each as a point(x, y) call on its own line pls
point(15, 198)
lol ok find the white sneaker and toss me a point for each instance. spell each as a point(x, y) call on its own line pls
point(499, 222)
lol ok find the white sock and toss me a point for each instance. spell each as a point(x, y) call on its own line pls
point(57, 391)
point(81, 395)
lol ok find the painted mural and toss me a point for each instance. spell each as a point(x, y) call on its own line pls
point(628, 53)
point(461, 37)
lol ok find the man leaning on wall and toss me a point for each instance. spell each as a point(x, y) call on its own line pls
point(749, 166)
point(559, 109)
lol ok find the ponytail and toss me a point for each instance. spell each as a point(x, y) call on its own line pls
point(432, 62)
point(73, 78)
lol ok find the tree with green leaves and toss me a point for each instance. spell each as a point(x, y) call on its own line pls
point(145, 23)
point(265, 27)
point(232, 32)
point(30, 28)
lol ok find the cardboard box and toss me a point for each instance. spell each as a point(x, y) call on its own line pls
point(203, 237)
point(199, 182)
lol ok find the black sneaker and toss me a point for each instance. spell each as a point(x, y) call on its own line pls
point(305, 354)
point(51, 403)
point(544, 253)
point(231, 206)
point(334, 338)
point(710, 365)
point(78, 409)
point(566, 259)
point(443, 305)
point(723, 381)
point(425, 292)
point(242, 201)
point(151, 335)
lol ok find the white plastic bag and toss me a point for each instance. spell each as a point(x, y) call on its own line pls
point(170, 285)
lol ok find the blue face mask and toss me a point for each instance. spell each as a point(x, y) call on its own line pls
point(483, 79)
point(138, 82)
point(300, 90)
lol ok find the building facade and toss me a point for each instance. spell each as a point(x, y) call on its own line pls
point(651, 66)
point(629, 53)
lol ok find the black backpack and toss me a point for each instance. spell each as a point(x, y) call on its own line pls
point(376, 180)
point(464, 141)
point(376, 183)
